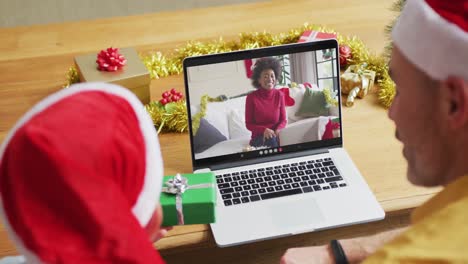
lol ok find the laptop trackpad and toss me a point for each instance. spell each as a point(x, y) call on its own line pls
point(299, 213)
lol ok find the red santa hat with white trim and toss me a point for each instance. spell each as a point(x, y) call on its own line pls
point(433, 35)
point(80, 178)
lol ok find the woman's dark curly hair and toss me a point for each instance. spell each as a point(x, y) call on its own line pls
point(265, 64)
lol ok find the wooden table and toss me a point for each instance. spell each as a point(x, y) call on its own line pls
point(34, 60)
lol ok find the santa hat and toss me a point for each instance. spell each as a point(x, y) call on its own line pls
point(433, 35)
point(80, 178)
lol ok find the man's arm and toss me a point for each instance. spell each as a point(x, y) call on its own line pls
point(356, 249)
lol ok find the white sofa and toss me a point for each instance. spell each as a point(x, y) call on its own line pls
point(305, 130)
point(229, 118)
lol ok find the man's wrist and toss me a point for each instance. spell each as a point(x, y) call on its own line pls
point(337, 253)
point(354, 251)
point(358, 249)
point(330, 253)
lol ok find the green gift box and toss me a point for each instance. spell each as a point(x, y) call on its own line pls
point(196, 195)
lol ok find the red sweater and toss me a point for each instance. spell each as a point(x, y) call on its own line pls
point(265, 109)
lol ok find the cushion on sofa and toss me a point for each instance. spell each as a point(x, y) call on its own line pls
point(296, 93)
point(207, 136)
point(313, 104)
point(237, 128)
point(216, 115)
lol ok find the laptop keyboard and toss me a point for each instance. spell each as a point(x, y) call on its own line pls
point(278, 181)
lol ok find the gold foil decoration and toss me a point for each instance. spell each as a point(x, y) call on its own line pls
point(356, 81)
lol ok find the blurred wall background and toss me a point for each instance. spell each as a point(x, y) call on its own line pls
point(33, 12)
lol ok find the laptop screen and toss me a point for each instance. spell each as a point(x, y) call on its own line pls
point(263, 102)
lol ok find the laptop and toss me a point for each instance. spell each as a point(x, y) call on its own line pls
point(299, 180)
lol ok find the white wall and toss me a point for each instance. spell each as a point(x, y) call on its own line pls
point(229, 78)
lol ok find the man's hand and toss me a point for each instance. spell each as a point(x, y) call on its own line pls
point(160, 234)
point(153, 228)
point(268, 133)
point(319, 255)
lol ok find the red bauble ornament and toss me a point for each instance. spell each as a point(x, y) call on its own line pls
point(110, 60)
point(345, 54)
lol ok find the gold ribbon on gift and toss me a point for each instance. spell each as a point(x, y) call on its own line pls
point(177, 186)
point(356, 81)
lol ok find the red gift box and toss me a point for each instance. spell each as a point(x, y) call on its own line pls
point(312, 35)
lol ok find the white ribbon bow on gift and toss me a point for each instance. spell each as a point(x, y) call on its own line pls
point(178, 185)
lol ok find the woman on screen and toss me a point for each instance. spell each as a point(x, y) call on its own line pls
point(265, 112)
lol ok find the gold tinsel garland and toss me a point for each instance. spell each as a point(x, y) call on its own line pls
point(202, 112)
point(329, 99)
point(160, 65)
point(387, 86)
point(72, 76)
point(171, 117)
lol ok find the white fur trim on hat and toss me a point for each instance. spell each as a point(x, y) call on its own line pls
point(434, 45)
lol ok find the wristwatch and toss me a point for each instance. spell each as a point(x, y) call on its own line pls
point(338, 252)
